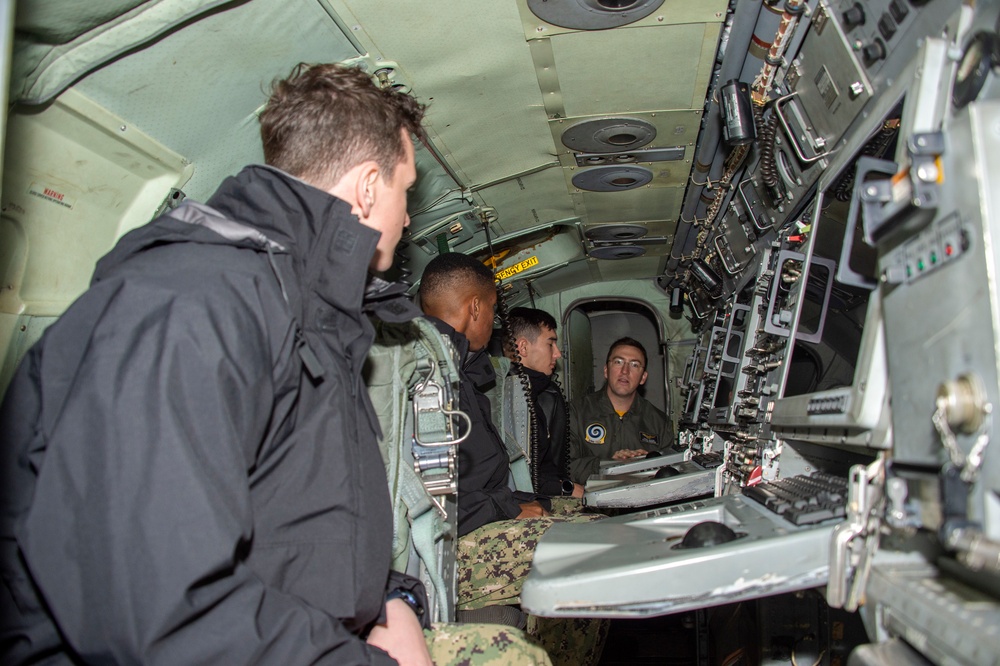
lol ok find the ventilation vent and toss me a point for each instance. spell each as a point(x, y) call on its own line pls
point(616, 232)
point(592, 14)
point(614, 178)
point(617, 252)
point(609, 135)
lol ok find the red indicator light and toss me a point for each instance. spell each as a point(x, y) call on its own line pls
point(948, 250)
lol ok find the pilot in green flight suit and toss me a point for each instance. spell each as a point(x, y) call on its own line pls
point(615, 422)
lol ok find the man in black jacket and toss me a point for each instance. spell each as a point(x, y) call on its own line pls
point(458, 294)
point(534, 340)
point(190, 471)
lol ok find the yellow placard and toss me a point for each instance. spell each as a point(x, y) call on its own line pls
point(517, 268)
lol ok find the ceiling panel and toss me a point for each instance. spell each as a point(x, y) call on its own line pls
point(669, 13)
point(673, 128)
point(522, 203)
point(631, 69)
point(469, 62)
point(642, 204)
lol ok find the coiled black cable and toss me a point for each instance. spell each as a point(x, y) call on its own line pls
point(509, 343)
point(767, 131)
point(565, 443)
point(507, 337)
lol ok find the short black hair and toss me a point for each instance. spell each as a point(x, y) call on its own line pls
point(627, 342)
point(528, 322)
point(446, 271)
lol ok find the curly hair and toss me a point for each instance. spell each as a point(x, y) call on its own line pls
point(323, 120)
point(446, 273)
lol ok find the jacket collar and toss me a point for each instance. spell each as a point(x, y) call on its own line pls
point(539, 380)
point(476, 366)
point(329, 245)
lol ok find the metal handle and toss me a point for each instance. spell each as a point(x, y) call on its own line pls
point(791, 135)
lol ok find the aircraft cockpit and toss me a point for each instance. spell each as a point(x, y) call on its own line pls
point(844, 364)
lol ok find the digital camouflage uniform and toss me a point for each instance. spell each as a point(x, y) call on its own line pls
point(495, 559)
point(570, 641)
point(568, 506)
point(493, 563)
point(482, 645)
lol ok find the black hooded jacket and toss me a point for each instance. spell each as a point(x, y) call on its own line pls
point(484, 493)
point(190, 471)
point(550, 414)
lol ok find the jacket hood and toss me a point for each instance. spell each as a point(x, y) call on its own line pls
point(189, 223)
point(267, 210)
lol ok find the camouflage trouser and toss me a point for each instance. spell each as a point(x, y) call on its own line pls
point(494, 559)
point(570, 641)
point(482, 645)
point(492, 564)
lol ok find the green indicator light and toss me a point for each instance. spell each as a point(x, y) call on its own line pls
point(909, 271)
point(933, 257)
point(920, 264)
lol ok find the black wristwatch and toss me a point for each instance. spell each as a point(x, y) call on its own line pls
point(568, 487)
point(409, 597)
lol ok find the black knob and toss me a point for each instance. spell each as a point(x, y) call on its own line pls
point(854, 16)
point(872, 52)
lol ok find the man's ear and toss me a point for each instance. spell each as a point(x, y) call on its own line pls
point(474, 307)
point(644, 376)
point(522, 346)
point(366, 188)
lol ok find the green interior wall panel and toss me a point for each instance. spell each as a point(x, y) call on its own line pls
point(221, 132)
point(625, 269)
point(77, 177)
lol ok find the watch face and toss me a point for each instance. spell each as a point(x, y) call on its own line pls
point(567, 487)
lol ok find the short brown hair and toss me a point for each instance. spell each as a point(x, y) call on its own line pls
point(323, 120)
point(627, 342)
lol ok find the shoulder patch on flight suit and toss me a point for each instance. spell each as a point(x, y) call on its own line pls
point(596, 433)
point(646, 438)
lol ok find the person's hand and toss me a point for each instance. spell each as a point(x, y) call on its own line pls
point(577, 490)
point(628, 454)
point(401, 635)
point(532, 510)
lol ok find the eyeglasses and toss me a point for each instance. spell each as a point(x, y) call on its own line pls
point(618, 362)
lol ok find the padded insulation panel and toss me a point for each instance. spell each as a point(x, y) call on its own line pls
point(77, 177)
point(220, 68)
